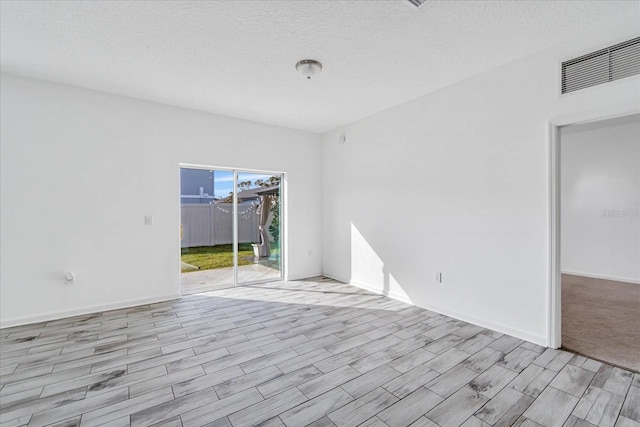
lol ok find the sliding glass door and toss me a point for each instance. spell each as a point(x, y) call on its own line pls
point(230, 227)
point(259, 227)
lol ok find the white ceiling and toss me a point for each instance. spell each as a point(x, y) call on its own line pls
point(237, 58)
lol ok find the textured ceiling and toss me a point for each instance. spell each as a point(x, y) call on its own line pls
point(237, 58)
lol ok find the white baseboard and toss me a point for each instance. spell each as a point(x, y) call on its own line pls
point(292, 277)
point(523, 335)
point(335, 277)
point(47, 317)
point(602, 276)
point(505, 329)
point(389, 294)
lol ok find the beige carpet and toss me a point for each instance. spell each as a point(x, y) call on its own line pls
point(601, 319)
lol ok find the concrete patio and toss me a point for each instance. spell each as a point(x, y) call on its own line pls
point(222, 278)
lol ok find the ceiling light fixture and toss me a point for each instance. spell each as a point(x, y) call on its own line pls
point(308, 67)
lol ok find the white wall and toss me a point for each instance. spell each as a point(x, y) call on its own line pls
point(458, 182)
point(79, 171)
point(601, 199)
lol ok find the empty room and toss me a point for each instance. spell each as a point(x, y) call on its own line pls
point(319, 213)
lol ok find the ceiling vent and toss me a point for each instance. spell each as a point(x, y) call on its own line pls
point(417, 3)
point(605, 65)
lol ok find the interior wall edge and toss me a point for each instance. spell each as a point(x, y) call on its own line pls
point(301, 276)
point(517, 333)
point(336, 277)
point(47, 317)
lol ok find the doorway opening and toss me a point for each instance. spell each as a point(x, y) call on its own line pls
point(596, 240)
point(231, 227)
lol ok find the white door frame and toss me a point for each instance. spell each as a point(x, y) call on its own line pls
point(283, 214)
point(555, 273)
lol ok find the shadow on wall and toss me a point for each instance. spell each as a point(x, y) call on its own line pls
point(368, 270)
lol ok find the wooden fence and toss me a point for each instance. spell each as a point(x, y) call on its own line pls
point(212, 224)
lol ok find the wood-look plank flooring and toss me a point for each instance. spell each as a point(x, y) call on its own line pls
point(315, 352)
point(601, 319)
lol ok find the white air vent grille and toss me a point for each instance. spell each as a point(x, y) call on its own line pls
point(605, 65)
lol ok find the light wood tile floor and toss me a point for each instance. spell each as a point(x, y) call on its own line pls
point(314, 352)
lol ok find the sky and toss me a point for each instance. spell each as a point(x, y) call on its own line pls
point(223, 181)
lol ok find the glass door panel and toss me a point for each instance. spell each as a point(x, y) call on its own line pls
point(206, 229)
point(259, 227)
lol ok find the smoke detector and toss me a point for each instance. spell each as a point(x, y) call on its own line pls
point(308, 68)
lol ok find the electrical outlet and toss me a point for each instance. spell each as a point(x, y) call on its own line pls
point(439, 277)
